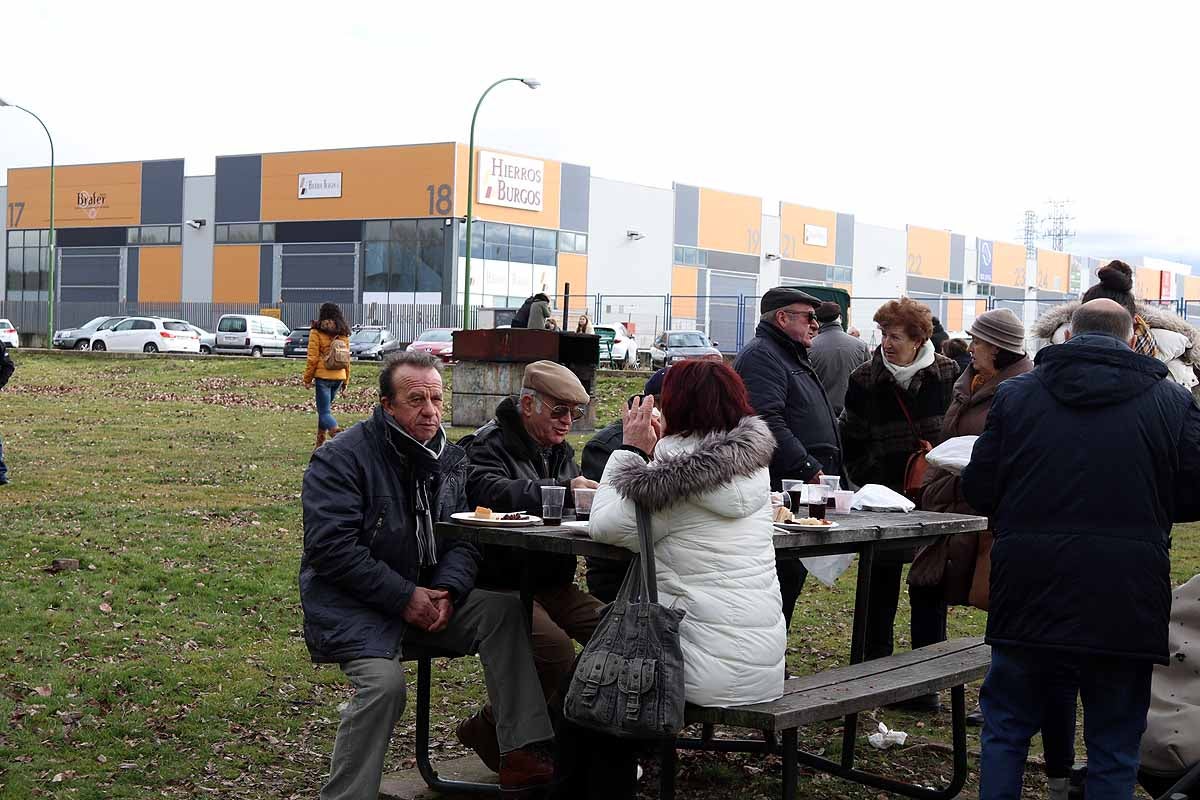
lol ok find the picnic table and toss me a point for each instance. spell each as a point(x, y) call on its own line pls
point(865, 533)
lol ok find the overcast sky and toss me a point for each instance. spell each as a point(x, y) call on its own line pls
point(938, 114)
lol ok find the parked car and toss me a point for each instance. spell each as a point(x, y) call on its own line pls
point(374, 342)
point(81, 338)
point(8, 333)
point(437, 342)
point(296, 344)
point(208, 341)
point(148, 335)
point(250, 335)
point(672, 347)
point(624, 346)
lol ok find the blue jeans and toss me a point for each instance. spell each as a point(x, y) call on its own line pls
point(3, 468)
point(326, 391)
point(1023, 683)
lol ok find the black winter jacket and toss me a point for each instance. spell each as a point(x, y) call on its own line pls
point(360, 562)
point(6, 365)
point(786, 392)
point(507, 473)
point(1083, 466)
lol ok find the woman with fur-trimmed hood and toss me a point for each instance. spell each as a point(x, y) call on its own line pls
point(707, 486)
point(1160, 334)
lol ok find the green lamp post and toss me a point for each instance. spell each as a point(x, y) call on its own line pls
point(532, 84)
point(50, 287)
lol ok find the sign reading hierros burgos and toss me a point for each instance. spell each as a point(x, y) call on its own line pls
point(319, 184)
point(510, 181)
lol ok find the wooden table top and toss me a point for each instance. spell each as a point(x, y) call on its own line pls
point(854, 531)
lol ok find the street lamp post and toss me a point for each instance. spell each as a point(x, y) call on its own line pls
point(532, 84)
point(50, 286)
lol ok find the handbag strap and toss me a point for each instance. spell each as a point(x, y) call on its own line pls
point(904, 407)
point(649, 579)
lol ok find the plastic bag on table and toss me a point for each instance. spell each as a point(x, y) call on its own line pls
point(876, 497)
point(953, 454)
point(827, 569)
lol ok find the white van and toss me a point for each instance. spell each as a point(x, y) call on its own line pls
point(250, 334)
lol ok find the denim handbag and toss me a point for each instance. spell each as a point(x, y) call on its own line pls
point(628, 681)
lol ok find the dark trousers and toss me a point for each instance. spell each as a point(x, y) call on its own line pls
point(792, 575)
point(1022, 682)
point(3, 468)
point(928, 606)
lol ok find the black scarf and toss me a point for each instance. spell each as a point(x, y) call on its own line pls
point(424, 470)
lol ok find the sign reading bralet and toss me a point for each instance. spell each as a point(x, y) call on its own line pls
point(319, 184)
point(90, 203)
point(510, 181)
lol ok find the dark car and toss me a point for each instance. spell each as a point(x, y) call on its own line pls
point(373, 342)
point(296, 344)
point(671, 347)
point(80, 338)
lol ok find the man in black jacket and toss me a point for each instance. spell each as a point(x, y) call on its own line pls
point(374, 578)
point(786, 392)
point(604, 575)
point(6, 370)
point(1083, 466)
point(512, 457)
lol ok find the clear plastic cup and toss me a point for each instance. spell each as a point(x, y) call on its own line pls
point(842, 500)
point(796, 492)
point(831, 482)
point(583, 503)
point(553, 498)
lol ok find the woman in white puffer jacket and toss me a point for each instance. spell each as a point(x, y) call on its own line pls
point(708, 491)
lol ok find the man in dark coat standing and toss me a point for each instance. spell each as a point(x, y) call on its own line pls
point(787, 393)
point(835, 354)
point(373, 578)
point(1083, 466)
point(6, 370)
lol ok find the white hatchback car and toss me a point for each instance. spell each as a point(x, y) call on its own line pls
point(148, 335)
point(8, 333)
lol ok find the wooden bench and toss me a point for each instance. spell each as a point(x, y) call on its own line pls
point(844, 692)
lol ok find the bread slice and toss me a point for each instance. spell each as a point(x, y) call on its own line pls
point(483, 512)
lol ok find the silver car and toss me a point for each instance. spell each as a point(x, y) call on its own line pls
point(80, 338)
point(250, 335)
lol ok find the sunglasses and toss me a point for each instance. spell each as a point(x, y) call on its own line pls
point(575, 412)
point(808, 315)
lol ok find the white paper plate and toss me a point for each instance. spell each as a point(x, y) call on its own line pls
point(577, 525)
point(469, 518)
point(791, 526)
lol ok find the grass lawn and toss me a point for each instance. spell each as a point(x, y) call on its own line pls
point(172, 664)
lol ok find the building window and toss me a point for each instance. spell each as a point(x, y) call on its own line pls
point(244, 232)
point(690, 256)
point(985, 290)
point(154, 234)
point(839, 274)
point(952, 287)
point(406, 255)
point(28, 267)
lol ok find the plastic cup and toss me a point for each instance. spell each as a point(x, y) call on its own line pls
point(831, 483)
point(583, 503)
point(816, 502)
point(797, 495)
point(553, 498)
point(841, 501)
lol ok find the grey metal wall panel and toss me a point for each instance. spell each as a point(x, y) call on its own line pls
point(340, 296)
point(575, 198)
point(89, 294)
point(318, 271)
point(1009, 293)
point(74, 252)
point(958, 255)
point(90, 270)
point(162, 192)
point(687, 215)
point(802, 270)
point(266, 274)
point(239, 188)
point(723, 308)
point(339, 247)
point(733, 262)
point(3, 239)
point(132, 263)
point(198, 203)
point(932, 286)
point(701, 298)
point(844, 240)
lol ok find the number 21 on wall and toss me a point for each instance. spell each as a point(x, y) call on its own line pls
point(439, 199)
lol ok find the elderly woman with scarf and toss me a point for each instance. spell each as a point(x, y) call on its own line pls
point(895, 402)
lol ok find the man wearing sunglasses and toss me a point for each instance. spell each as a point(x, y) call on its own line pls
point(786, 392)
point(523, 448)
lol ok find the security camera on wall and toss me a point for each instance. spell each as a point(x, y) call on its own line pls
point(196, 224)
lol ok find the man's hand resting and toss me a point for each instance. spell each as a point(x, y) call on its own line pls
point(428, 609)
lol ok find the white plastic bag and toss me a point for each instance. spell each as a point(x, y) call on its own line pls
point(953, 454)
point(875, 497)
point(827, 569)
point(886, 738)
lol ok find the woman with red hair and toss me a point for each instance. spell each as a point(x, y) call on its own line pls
point(707, 487)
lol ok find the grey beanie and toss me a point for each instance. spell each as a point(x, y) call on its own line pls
point(1001, 328)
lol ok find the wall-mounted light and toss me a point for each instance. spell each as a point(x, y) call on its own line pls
point(1031, 288)
point(633, 235)
point(196, 224)
point(771, 256)
point(881, 269)
point(971, 283)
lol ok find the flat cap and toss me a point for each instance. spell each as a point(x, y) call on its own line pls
point(782, 296)
point(828, 311)
point(554, 380)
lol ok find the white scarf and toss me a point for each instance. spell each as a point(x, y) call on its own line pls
point(904, 375)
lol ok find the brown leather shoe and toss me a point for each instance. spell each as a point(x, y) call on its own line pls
point(478, 732)
point(528, 768)
point(320, 438)
point(334, 432)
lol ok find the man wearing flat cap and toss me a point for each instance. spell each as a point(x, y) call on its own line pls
point(787, 393)
point(835, 354)
point(512, 457)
